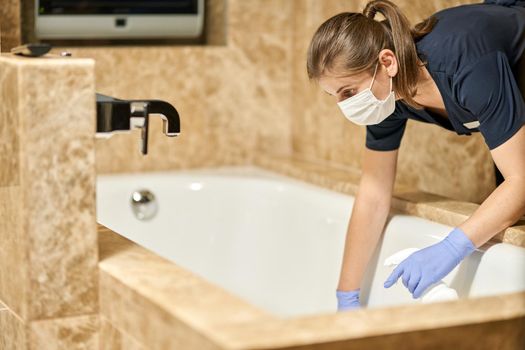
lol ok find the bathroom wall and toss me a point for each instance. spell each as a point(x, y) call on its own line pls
point(234, 100)
point(10, 27)
point(251, 96)
point(48, 249)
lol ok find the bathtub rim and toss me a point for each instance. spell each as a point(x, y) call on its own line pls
point(265, 330)
point(255, 327)
point(405, 200)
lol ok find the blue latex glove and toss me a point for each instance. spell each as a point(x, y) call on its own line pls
point(429, 265)
point(347, 300)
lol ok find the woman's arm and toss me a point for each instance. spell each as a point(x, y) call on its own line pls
point(500, 210)
point(506, 204)
point(369, 214)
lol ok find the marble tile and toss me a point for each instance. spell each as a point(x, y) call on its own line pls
point(49, 218)
point(384, 329)
point(9, 128)
point(12, 331)
point(14, 269)
point(514, 235)
point(216, 22)
point(80, 332)
point(198, 143)
point(10, 24)
point(59, 177)
point(112, 339)
point(159, 330)
point(71, 333)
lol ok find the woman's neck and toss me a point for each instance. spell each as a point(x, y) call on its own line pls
point(427, 93)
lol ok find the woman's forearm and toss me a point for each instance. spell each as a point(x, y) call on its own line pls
point(364, 230)
point(504, 206)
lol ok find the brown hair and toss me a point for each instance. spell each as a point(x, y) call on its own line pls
point(352, 41)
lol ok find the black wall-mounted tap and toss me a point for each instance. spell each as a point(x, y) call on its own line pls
point(116, 115)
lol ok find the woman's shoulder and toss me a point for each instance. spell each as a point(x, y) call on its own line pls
point(464, 33)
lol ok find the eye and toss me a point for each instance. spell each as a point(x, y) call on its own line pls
point(348, 93)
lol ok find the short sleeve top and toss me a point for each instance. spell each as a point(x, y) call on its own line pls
point(472, 54)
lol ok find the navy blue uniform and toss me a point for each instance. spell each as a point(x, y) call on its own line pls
point(472, 54)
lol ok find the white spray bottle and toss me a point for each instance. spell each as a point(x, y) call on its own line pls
point(436, 292)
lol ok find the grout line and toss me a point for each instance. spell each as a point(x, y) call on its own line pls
point(63, 317)
point(13, 313)
point(118, 329)
point(4, 307)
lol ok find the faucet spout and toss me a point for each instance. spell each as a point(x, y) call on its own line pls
point(170, 116)
point(116, 115)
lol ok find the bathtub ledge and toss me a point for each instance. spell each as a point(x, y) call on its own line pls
point(160, 304)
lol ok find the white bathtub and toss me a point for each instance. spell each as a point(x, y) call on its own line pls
point(278, 242)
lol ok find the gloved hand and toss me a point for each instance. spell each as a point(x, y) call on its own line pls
point(347, 300)
point(429, 265)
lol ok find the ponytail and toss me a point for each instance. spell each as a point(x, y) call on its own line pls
point(354, 41)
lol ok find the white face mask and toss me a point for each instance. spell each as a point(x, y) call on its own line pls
point(365, 109)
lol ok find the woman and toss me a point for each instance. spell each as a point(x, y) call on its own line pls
point(457, 69)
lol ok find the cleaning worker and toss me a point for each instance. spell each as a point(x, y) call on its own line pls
point(460, 69)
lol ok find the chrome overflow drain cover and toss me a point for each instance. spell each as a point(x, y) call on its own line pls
point(144, 204)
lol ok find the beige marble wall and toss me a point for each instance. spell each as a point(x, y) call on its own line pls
point(252, 95)
point(113, 339)
point(12, 331)
point(48, 255)
point(81, 332)
point(10, 28)
point(234, 100)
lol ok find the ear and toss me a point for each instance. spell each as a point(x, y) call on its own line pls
point(388, 59)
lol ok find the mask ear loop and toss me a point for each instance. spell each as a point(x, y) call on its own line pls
point(373, 78)
point(375, 71)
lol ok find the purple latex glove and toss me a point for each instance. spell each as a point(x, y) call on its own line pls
point(431, 264)
point(347, 300)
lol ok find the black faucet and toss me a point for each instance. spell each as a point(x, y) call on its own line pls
point(116, 115)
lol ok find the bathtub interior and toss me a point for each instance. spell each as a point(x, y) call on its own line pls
point(277, 242)
point(490, 270)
